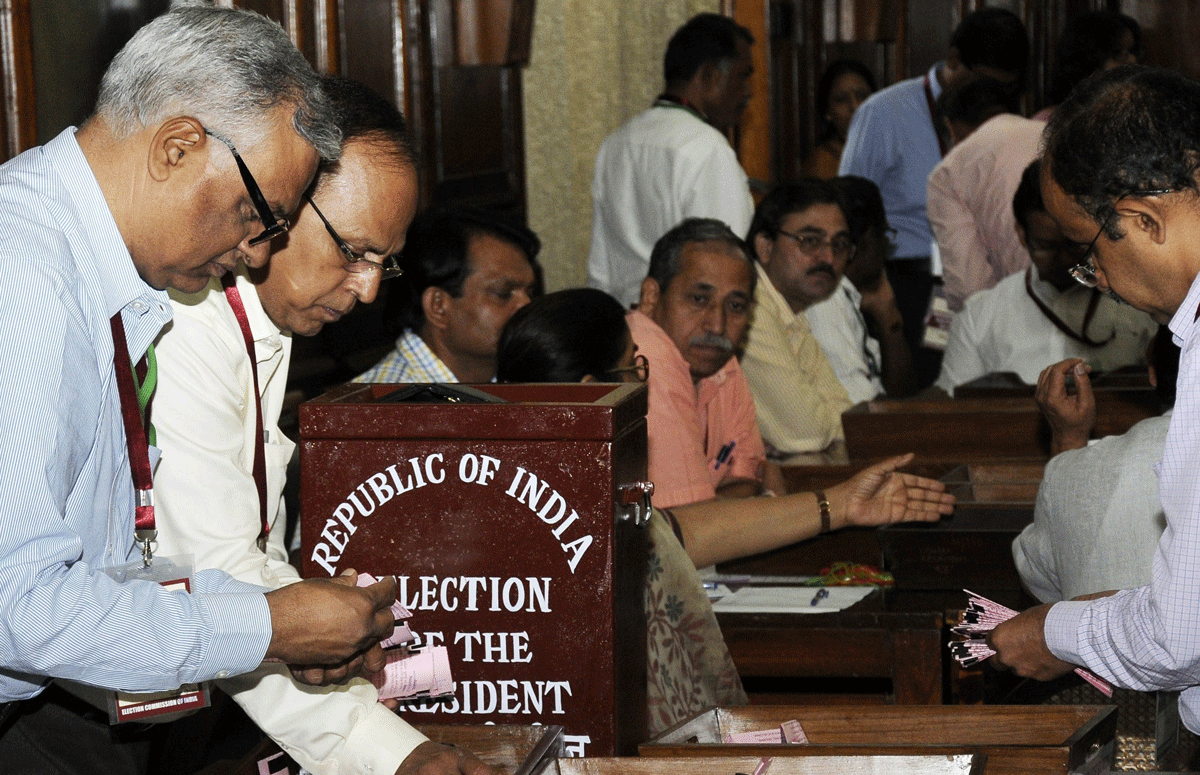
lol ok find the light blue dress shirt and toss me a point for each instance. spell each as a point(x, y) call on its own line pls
point(893, 143)
point(1149, 638)
point(66, 493)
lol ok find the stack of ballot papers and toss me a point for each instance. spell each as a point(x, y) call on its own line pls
point(981, 617)
point(410, 672)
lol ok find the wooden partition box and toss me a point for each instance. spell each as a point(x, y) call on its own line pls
point(972, 547)
point(1123, 398)
point(958, 430)
point(502, 526)
point(1017, 739)
point(918, 764)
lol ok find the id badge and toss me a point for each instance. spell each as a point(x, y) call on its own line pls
point(173, 573)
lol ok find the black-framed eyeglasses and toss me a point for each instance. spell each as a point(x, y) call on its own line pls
point(1085, 271)
point(640, 368)
point(273, 225)
point(388, 268)
point(811, 245)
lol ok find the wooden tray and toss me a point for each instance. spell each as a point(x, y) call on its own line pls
point(1016, 738)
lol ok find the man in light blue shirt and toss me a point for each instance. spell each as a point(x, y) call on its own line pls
point(895, 141)
point(151, 192)
point(1120, 176)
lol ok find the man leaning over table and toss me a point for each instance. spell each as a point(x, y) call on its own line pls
point(148, 194)
point(341, 245)
point(1120, 175)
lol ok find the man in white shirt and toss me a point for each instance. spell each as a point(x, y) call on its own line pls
point(213, 398)
point(1041, 316)
point(1098, 517)
point(465, 273)
point(673, 161)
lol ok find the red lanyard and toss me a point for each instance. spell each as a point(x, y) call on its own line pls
point(933, 115)
point(135, 438)
point(228, 282)
point(1082, 338)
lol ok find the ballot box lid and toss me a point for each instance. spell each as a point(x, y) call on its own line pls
point(586, 411)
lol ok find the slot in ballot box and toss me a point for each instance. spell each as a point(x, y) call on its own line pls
point(1016, 739)
point(516, 532)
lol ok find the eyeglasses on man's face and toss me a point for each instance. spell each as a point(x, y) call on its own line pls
point(1085, 271)
point(811, 245)
point(388, 268)
point(273, 225)
point(640, 369)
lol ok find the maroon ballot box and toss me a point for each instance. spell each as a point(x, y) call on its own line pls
point(507, 528)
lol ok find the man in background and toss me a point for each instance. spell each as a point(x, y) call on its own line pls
point(673, 161)
point(465, 274)
point(895, 141)
point(693, 314)
point(1041, 316)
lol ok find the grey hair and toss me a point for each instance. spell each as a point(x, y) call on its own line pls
point(225, 67)
point(665, 257)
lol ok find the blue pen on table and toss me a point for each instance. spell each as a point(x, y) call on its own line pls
point(723, 455)
point(822, 593)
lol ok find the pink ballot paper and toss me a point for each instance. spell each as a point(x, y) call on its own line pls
point(424, 673)
point(402, 634)
point(981, 617)
point(787, 732)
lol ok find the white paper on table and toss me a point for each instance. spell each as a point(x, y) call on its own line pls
point(789, 600)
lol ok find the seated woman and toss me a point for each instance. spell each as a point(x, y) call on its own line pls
point(580, 335)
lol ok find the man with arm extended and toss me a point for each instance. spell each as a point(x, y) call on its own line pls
point(1120, 176)
point(341, 244)
point(148, 194)
point(702, 436)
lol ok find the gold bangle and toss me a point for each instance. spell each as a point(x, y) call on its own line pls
point(823, 505)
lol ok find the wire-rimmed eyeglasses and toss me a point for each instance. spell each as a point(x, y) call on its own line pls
point(640, 369)
point(841, 246)
point(1085, 271)
point(388, 268)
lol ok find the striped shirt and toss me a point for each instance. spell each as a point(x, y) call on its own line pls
point(1149, 638)
point(66, 494)
point(411, 361)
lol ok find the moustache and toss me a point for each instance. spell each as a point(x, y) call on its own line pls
point(712, 340)
point(825, 268)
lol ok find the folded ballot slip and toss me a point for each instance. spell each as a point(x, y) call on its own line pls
point(787, 732)
point(411, 674)
point(981, 617)
point(402, 634)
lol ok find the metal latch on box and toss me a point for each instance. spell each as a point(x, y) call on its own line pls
point(635, 497)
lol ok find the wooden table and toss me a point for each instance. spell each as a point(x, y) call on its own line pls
point(866, 640)
point(896, 635)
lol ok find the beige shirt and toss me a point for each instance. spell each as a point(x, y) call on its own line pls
point(798, 398)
